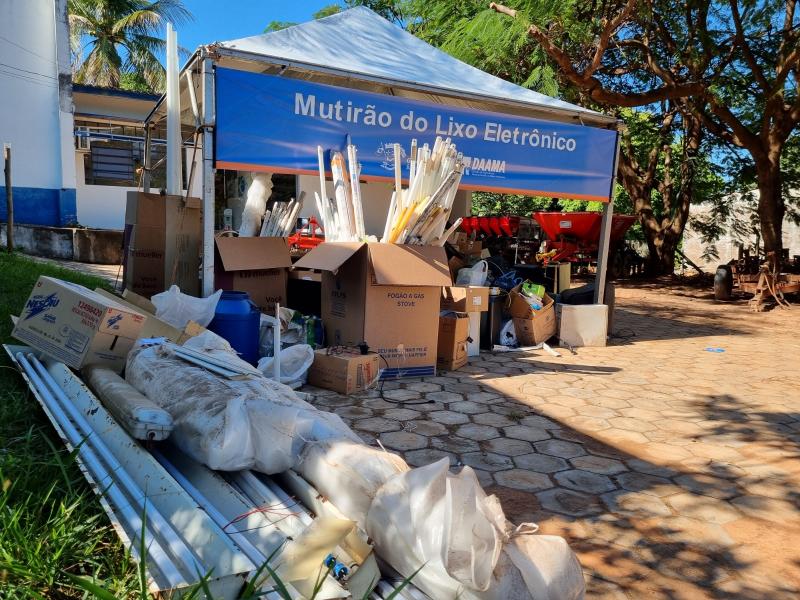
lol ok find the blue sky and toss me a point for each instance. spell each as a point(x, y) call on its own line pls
point(220, 20)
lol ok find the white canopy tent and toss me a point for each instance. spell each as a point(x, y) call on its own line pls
point(360, 50)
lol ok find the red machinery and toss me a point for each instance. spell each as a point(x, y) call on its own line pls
point(306, 239)
point(576, 235)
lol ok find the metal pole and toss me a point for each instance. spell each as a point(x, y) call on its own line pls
point(9, 200)
point(148, 158)
point(208, 177)
point(605, 235)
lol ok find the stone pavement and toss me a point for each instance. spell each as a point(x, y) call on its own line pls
point(669, 460)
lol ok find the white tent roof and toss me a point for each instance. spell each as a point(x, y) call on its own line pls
point(361, 43)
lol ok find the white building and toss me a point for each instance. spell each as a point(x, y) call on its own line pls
point(36, 111)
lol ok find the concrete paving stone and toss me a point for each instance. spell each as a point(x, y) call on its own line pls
point(648, 484)
point(354, 412)
point(609, 402)
point(615, 436)
point(520, 479)
point(448, 417)
point(473, 369)
point(665, 452)
point(716, 452)
point(696, 532)
point(401, 395)
point(483, 397)
point(377, 425)
point(403, 440)
point(642, 414)
point(635, 504)
point(466, 407)
point(569, 502)
point(568, 401)
point(379, 404)
point(424, 386)
point(701, 483)
point(632, 424)
point(587, 423)
point(367, 437)
point(336, 401)
point(598, 464)
point(477, 432)
point(679, 426)
point(584, 481)
point(508, 446)
point(426, 456)
point(426, 428)
point(484, 478)
point(559, 448)
point(441, 380)
point(579, 392)
point(621, 393)
point(401, 414)
point(541, 463)
point(493, 419)
point(524, 432)
point(555, 411)
point(512, 410)
point(455, 444)
point(599, 412)
point(444, 396)
point(540, 422)
point(488, 461)
point(703, 508)
point(768, 509)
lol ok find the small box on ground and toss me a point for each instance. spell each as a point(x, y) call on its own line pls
point(162, 243)
point(345, 371)
point(386, 295)
point(465, 298)
point(531, 326)
point(77, 326)
point(256, 265)
point(452, 346)
point(583, 325)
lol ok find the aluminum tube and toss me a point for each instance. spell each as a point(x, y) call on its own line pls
point(162, 527)
point(303, 515)
point(86, 451)
point(254, 554)
point(260, 495)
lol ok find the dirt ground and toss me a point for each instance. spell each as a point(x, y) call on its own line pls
point(669, 459)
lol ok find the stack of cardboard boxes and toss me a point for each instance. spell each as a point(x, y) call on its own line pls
point(459, 324)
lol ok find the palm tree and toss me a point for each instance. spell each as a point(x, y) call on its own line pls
point(116, 41)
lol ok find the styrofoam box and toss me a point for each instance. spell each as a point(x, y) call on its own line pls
point(583, 325)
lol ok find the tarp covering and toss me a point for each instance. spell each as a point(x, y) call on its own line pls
point(268, 122)
point(361, 42)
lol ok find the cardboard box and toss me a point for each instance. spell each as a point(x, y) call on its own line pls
point(531, 326)
point(77, 326)
point(256, 265)
point(452, 346)
point(346, 372)
point(465, 298)
point(455, 264)
point(470, 247)
point(386, 295)
point(163, 237)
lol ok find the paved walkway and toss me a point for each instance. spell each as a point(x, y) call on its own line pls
point(111, 273)
point(669, 460)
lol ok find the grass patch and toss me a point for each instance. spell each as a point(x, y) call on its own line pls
point(50, 520)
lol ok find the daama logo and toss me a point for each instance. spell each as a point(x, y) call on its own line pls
point(487, 167)
point(40, 303)
point(112, 322)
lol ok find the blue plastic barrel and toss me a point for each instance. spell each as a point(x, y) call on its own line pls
point(237, 320)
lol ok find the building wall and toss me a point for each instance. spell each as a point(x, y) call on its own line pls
point(36, 111)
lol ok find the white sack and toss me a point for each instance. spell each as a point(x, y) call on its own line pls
point(256, 204)
point(295, 362)
point(177, 308)
point(474, 275)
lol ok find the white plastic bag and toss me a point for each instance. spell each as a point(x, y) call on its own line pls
point(508, 335)
point(474, 275)
point(177, 308)
point(256, 204)
point(295, 362)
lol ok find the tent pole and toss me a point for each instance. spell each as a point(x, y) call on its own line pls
point(148, 160)
point(208, 177)
point(605, 235)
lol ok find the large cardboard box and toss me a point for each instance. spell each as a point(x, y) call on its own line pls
point(256, 265)
point(465, 298)
point(386, 295)
point(531, 326)
point(346, 371)
point(77, 326)
point(452, 345)
point(163, 237)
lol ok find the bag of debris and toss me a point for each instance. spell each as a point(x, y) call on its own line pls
point(229, 424)
point(177, 308)
point(295, 362)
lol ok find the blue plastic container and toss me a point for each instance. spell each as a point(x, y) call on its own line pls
point(237, 320)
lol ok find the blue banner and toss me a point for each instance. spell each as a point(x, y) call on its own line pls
point(272, 123)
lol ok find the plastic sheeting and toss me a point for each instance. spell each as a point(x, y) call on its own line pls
point(427, 518)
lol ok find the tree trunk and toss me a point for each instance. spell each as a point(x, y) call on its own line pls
point(771, 210)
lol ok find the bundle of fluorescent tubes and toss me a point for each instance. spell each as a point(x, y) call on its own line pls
point(417, 214)
point(280, 221)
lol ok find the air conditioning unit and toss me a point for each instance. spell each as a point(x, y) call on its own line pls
point(82, 139)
